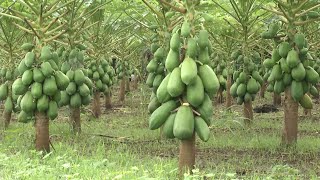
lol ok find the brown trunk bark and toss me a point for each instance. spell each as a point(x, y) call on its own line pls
point(107, 98)
point(220, 96)
point(127, 85)
point(42, 132)
point(276, 99)
point(263, 89)
point(7, 119)
point(248, 112)
point(122, 90)
point(96, 108)
point(290, 129)
point(75, 120)
point(135, 83)
point(228, 95)
point(187, 155)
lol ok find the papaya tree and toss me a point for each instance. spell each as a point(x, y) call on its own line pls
point(40, 80)
point(10, 38)
point(79, 90)
point(247, 80)
point(186, 91)
point(291, 62)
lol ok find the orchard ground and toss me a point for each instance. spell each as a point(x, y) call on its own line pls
point(119, 145)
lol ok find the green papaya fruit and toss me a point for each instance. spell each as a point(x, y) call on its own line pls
point(52, 112)
point(185, 29)
point(192, 48)
point(46, 69)
point(175, 85)
point(153, 105)
point(168, 126)
point(45, 54)
point(50, 87)
point(27, 46)
point(299, 40)
point(311, 75)
point(252, 86)
point(4, 90)
point(195, 92)
point(298, 73)
point(62, 80)
point(79, 77)
point(175, 42)
point(241, 90)
point(293, 58)
point(43, 103)
point(284, 49)
point(161, 114)
point(8, 105)
point(172, 60)
point(188, 71)
point(202, 129)
point(36, 90)
point(306, 102)
point(84, 90)
point(38, 75)
point(29, 59)
point(162, 91)
point(296, 90)
point(75, 100)
point(206, 109)
point(183, 127)
point(27, 103)
point(278, 87)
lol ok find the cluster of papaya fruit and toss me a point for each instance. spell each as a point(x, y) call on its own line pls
point(272, 31)
point(102, 74)
point(122, 69)
point(156, 72)
point(247, 81)
point(39, 83)
point(291, 66)
point(184, 94)
point(78, 92)
point(7, 76)
point(220, 67)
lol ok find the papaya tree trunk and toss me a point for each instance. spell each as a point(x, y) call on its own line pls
point(135, 83)
point(276, 99)
point(107, 98)
point(96, 108)
point(127, 85)
point(7, 118)
point(248, 112)
point(187, 155)
point(228, 95)
point(122, 90)
point(220, 96)
point(42, 132)
point(75, 120)
point(263, 89)
point(290, 129)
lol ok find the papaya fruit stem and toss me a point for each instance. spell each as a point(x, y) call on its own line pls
point(181, 10)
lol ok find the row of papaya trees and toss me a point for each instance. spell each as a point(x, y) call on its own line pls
point(259, 47)
point(56, 54)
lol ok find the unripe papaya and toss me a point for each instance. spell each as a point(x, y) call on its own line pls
point(175, 85)
point(183, 127)
point(188, 71)
point(195, 92)
point(209, 79)
point(172, 60)
point(185, 29)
